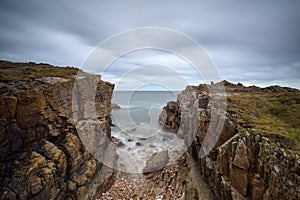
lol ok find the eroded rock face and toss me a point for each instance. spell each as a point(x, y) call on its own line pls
point(42, 156)
point(260, 173)
point(241, 165)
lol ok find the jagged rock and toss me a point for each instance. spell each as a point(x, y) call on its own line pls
point(115, 106)
point(241, 158)
point(170, 117)
point(117, 142)
point(42, 155)
point(241, 165)
point(138, 144)
point(156, 161)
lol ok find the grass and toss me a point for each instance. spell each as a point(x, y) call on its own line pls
point(273, 114)
point(20, 71)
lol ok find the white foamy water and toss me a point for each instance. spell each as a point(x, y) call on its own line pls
point(138, 129)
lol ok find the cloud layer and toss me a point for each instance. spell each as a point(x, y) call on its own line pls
point(256, 42)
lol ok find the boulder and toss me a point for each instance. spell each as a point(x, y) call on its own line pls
point(156, 161)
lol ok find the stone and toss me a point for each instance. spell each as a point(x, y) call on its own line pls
point(276, 169)
point(156, 162)
point(138, 144)
point(241, 158)
point(120, 144)
point(170, 117)
point(115, 106)
point(257, 138)
point(117, 142)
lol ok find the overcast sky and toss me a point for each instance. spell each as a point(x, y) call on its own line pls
point(254, 42)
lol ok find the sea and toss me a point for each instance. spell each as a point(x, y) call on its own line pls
point(136, 126)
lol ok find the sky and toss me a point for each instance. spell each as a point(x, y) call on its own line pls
point(253, 42)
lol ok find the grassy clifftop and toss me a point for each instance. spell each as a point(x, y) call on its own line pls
point(20, 71)
point(274, 114)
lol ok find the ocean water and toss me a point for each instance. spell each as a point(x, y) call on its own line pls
point(137, 127)
point(140, 106)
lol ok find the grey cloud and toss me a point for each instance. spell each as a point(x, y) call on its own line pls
point(248, 40)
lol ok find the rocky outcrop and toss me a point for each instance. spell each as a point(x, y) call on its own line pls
point(42, 156)
point(170, 116)
point(240, 164)
point(252, 167)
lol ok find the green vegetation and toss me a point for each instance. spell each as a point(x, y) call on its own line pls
point(274, 114)
point(21, 71)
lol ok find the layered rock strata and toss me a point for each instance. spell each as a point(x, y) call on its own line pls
point(241, 165)
point(42, 155)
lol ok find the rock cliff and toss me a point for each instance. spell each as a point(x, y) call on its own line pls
point(42, 156)
point(255, 156)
